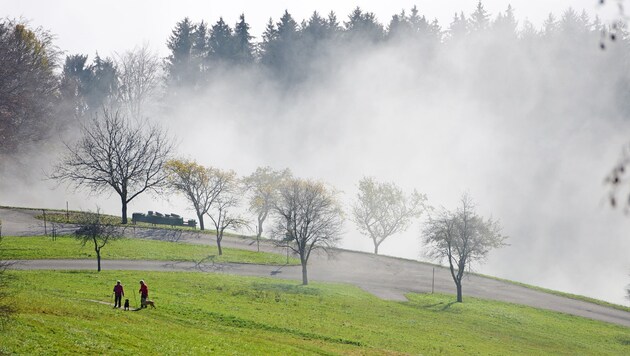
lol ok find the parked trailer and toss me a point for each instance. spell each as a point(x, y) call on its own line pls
point(157, 218)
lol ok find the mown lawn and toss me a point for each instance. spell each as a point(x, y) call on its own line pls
point(197, 313)
point(67, 247)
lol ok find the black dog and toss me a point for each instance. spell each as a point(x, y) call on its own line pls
point(126, 304)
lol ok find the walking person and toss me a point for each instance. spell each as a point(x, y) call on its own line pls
point(119, 292)
point(144, 294)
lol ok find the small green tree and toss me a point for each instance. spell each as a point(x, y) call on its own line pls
point(222, 211)
point(92, 229)
point(383, 209)
point(196, 183)
point(263, 186)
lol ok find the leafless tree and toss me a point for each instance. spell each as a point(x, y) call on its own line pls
point(222, 212)
point(139, 78)
point(94, 230)
point(263, 188)
point(462, 237)
point(382, 209)
point(116, 153)
point(308, 217)
point(200, 185)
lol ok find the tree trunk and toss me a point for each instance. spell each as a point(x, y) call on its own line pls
point(459, 292)
point(304, 274)
point(376, 249)
point(200, 217)
point(98, 260)
point(219, 238)
point(259, 234)
point(124, 210)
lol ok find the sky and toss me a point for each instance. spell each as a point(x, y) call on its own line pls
point(117, 25)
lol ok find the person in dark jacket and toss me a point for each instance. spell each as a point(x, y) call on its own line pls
point(119, 292)
point(144, 294)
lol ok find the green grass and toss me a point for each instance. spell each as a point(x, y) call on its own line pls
point(201, 313)
point(65, 247)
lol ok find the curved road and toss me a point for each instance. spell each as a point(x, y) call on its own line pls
point(385, 277)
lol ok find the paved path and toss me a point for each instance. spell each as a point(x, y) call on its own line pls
point(386, 277)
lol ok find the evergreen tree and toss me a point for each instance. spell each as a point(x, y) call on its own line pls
point(550, 26)
point(182, 68)
point(103, 83)
point(315, 30)
point(287, 28)
point(244, 49)
point(570, 23)
point(458, 28)
point(506, 24)
point(400, 26)
point(422, 29)
point(220, 44)
point(436, 30)
point(585, 21)
point(363, 26)
point(528, 32)
point(269, 44)
point(480, 19)
point(74, 84)
point(332, 24)
point(282, 49)
point(199, 50)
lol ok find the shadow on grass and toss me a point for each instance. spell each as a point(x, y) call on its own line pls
point(286, 288)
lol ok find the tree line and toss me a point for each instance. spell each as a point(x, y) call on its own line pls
point(41, 94)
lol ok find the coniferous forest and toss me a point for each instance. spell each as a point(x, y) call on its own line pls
point(42, 92)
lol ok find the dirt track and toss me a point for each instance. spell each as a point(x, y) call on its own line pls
point(386, 277)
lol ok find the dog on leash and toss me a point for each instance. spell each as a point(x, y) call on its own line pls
point(149, 302)
point(126, 304)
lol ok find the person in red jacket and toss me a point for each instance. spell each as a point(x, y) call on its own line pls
point(119, 292)
point(144, 294)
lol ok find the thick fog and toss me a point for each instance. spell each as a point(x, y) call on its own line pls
point(530, 134)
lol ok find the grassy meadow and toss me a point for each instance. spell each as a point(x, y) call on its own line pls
point(67, 247)
point(202, 313)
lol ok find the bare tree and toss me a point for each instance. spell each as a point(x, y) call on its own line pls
point(200, 185)
point(116, 153)
point(263, 187)
point(139, 78)
point(462, 237)
point(94, 230)
point(382, 209)
point(308, 217)
point(222, 211)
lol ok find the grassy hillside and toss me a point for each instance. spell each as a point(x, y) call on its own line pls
point(203, 313)
point(41, 247)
